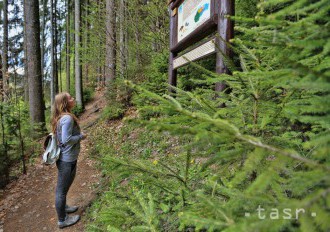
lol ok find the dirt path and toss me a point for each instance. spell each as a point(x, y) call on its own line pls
point(28, 203)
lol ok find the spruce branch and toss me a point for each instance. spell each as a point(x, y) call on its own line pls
point(175, 174)
point(249, 139)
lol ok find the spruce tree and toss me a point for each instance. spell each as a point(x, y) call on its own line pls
point(261, 163)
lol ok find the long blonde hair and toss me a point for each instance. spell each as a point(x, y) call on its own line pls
point(61, 108)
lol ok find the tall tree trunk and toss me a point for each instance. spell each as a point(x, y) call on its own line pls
point(73, 39)
point(52, 56)
point(100, 74)
point(85, 43)
point(37, 114)
point(4, 155)
point(137, 35)
point(126, 36)
point(121, 37)
point(5, 73)
point(26, 83)
point(78, 74)
point(60, 66)
point(1, 77)
point(110, 66)
point(43, 34)
point(59, 47)
point(56, 82)
point(68, 46)
point(4, 166)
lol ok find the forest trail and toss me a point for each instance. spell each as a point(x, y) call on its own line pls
point(28, 203)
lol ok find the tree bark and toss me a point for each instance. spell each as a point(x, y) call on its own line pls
point(5, 73)
point(68, 46)
point(78, 74)
point(121, 37)
point(110, 64)
point(58, 33)
point(126, 54)
point(43, 34)
point(52, 56)
point(26, 82)
point(86, 39)
point(60, 66)
point(100, 73)
point(4, 174)
point(226, 32)
point(172, 73)
point(56, 82)
point(37, 114)
point(73, 33)
point(4, 155)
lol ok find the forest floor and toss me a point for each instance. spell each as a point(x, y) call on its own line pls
point(28, 203)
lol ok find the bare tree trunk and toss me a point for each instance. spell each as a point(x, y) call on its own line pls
point(86, 38)
point(137, 40)
point(58, 42)
point(121, 37)
point(5, 73)
point(126, 36)
point(52, 55)
point(110, 64)
point(37, 114)
point(226, 32)
point(26, 83)
point(4, 156)
point(55, 47)
point(73, 49)
point(1, 77)
point(99, 76)
point(4, 166)
point(68, 46)
point(43, 35)
point(78, 74)
point(60, 68)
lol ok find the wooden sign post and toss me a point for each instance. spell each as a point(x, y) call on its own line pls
point(226, 32)
point(190, 22)
point(172, 73)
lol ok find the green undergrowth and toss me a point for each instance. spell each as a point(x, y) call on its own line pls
point(118, 98)
point(134, 160)
point(261, 144)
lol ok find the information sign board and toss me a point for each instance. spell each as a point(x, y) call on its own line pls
point(192, 21)
point(192, 14)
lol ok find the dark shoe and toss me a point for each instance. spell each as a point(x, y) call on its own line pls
point(71, 209)
point(69, 221)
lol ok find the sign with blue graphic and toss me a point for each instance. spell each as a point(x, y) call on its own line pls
point(192, 14)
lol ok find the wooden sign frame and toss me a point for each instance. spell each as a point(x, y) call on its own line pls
point(199, 33)
point(217, 22)
point(203, 50)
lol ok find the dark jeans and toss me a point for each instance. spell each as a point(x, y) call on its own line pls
point(66, 174)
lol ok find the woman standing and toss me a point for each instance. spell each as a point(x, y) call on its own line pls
point(65, 126)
